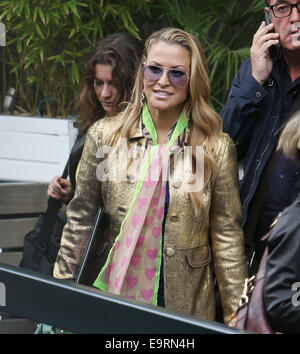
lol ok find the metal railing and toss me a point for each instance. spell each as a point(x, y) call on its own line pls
point(81, 309)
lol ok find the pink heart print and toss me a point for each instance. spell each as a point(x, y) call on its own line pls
point(117, 245)
point(117, 281)
point(160, 213)
point(149, 184)
point(147, 294)
point(150, 273)
point(154, 202)
point(135, 260)
point(163, 191)
point(129, 241)
point(131, 282)
point(156, 231)
point(148, 220)
point(140, 241)
point(135, 221)
point(142, 202)
point(109, 268)
point(152, 253)
point(108, 285)
point(123, 261)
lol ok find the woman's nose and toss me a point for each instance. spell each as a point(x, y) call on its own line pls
point(164, 80)
point(106, 92)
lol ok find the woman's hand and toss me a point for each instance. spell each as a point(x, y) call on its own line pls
point(60, 188)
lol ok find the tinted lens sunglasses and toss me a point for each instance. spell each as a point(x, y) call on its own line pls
point(177, 77)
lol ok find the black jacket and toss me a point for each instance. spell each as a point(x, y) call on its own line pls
point(252, 118)
point(282, 282)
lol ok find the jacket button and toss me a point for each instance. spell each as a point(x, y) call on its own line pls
point(122, 209)
point(130, 179)
point(174, 217)
point(258, 94)
point(170, 252)
point(176, 184)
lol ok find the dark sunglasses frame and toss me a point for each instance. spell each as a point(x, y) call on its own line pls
point(169, 73)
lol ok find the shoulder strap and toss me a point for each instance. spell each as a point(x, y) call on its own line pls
point(49, 220)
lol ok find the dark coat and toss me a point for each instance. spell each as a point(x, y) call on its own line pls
point(252, 118)
point(281, 297)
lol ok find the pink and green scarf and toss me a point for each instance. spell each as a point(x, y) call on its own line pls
point(132, 268)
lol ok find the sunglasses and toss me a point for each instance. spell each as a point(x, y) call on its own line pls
point(176, 77)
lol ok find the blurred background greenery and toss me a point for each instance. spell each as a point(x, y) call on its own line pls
point(47, 41)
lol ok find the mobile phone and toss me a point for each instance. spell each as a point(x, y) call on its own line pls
point(274, 49)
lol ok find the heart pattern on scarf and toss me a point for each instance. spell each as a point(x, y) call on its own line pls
point(147, 294)
point(152, 253)
point(135, 221)
point(142, 202)
point(135, 260)
point(156, 231)
point(150, 273)
point(131, 282)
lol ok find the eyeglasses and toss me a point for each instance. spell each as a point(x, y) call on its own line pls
point(176, 77)
point(284, 10)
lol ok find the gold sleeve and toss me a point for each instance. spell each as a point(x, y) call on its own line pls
point(226, 231)
point(81, 211)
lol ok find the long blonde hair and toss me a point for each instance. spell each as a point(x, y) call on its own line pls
point(205, 123)
point(289, 141)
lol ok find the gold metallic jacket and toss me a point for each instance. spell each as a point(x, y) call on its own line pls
point(193, 246)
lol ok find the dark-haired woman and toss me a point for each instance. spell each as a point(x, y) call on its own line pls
point(107, 81)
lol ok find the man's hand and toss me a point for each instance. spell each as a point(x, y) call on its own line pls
point(261, 61)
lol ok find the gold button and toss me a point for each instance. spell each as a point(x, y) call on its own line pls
point(170, 252)
point(122, 210)
point(131, 179)
point(176, 184)
point(174, 217)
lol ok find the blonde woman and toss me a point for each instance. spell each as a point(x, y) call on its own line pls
point(165, 230)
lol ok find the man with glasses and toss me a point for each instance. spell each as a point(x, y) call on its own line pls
point(263, 94)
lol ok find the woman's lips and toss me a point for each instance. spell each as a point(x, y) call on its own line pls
point(162, 93)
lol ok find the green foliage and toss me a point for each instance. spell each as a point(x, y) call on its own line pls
point(225, 30)
point(47, 40)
